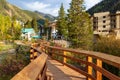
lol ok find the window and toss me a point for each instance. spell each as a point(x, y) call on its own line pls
point(104, 26)
point(104, 16)
point(114, 26)
point(114, 21)
point(104, 21)
point(104, 31)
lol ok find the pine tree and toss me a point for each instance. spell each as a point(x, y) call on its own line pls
point(61, 23)
point(79, 25)
point(46, 24)
point(28, 24)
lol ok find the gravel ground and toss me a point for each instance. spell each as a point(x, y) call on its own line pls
point(62, 42)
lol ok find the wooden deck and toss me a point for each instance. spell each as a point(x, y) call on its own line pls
point(62, 72)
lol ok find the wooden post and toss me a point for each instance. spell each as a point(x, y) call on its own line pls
point(99, 75)
point(35, 55)
point(31, 54)
point(64, 59)
point(89, 67)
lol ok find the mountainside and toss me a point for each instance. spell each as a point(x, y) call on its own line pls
point(11, 10)
point(105, 5)
point(48, 16)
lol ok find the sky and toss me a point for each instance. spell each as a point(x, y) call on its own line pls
point(48, 6)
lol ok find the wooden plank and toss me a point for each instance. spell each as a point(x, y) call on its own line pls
point(44, 73)
point(97, 68)
point(76, 69)
point(32, 71)
point(49, 75)
point(63, 72)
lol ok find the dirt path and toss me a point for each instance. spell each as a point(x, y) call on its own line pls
point(8, 51)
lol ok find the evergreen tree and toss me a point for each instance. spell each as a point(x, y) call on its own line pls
point(61, 23)
point(34, 25)
point(13, 25)
point(79, 25)
point(28, 24)
point(46, 27)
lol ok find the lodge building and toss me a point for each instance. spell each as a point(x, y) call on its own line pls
point(105, 22)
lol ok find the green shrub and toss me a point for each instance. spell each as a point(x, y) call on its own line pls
point(109, 46)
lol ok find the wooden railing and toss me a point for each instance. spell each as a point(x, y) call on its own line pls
point(36, 70)
point(91, 61)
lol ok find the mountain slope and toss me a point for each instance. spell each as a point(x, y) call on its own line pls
point(105, 5)
point(48, 16)
point(33, 14)
point(11, 10)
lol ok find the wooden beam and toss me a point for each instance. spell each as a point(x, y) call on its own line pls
point(32, 71)
point(89, 67)
point(64, 59)
point(31, 55)
point(99, 74)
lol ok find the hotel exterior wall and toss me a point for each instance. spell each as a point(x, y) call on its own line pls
point(102, 22)
point(105, 22)
point(118, 19)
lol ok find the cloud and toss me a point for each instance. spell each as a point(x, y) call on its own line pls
point(42, 7)
point(49, 6)
point(90, 3)
point(36, 5)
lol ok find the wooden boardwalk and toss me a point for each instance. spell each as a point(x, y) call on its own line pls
point(62, 72)
point(42, 64)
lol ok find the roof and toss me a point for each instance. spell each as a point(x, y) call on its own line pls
point(26, 30)
point(36, 37)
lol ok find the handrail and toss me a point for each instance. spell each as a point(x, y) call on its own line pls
point(110, 59)
point(36, 70)
point(100, 57)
